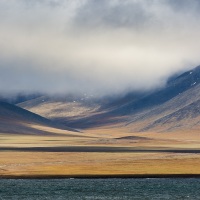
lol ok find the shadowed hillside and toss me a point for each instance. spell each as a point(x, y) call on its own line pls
point(14, 119)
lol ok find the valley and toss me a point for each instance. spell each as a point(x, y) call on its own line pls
point(151, 134)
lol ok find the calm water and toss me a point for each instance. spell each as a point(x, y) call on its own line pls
point(100, 189)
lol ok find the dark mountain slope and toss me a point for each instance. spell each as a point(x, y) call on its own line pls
point(177, 94)
point(17, 120)
point(173, 88)
point(184, 118)
point(177, 113)
point(158, 110)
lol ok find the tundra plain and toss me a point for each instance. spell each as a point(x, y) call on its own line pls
point(99, 153)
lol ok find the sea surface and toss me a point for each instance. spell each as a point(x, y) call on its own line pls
point(112, 189)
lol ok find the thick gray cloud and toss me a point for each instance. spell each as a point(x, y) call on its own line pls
point(126, 14)
point(98, 46)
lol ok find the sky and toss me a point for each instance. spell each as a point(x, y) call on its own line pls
point(97, 46)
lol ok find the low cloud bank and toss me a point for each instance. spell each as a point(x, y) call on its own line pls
point(101, 47)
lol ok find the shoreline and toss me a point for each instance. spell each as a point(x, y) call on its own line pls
point(122, 176)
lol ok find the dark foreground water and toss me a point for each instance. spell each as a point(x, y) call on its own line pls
point(57, 189)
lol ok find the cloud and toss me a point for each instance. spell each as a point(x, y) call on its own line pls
point(103, 47)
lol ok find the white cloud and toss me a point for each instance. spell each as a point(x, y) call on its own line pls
point(91, 45)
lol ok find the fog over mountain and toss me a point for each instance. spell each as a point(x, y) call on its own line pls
point(98, 46)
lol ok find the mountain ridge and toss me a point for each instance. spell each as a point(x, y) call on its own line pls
point(137, 111)
point(18, 120)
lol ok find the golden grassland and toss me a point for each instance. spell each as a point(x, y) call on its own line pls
point(37, 163)
point(20, 164)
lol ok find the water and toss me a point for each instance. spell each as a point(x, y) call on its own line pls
point(89, 189)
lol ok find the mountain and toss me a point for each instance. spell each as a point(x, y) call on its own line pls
point(14, 119)
point(154, 111)
point(173, 107)
point(63, 108)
